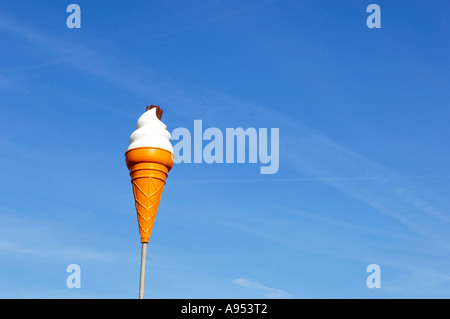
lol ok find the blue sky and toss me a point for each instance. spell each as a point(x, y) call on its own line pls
point(364, 158)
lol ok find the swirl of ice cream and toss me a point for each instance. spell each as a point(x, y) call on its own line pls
point(150, 131)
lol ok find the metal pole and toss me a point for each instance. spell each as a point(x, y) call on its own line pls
point(142, 281)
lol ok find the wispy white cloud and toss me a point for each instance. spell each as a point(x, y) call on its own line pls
point(220, 15)
point(417, 283)
point(359, 177)
point(80, 57)
point(267, 292)
point(52, 251)
point(301, 179)
point(42, 239)
point(12, 78)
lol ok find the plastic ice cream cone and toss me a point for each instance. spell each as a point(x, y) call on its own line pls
point(148, 167)
point(149, 158)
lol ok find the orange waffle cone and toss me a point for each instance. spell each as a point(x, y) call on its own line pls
point(148, 170)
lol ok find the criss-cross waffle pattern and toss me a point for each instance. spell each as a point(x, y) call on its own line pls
point(147, 194)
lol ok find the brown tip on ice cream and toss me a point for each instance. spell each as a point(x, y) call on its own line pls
point(159, 112)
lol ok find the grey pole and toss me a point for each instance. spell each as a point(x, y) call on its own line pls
point(142, 281)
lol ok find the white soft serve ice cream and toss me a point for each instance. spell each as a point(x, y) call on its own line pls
point(150, 132)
